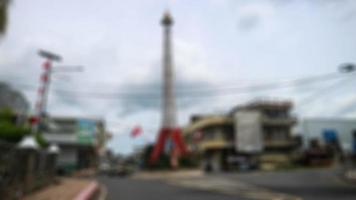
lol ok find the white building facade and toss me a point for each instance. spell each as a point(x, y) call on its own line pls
point(315, 128)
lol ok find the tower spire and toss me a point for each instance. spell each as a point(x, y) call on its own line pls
point(167, 19)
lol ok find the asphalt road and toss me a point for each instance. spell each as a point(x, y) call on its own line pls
point(313, 184)
point(309, 184)
point(128, 189)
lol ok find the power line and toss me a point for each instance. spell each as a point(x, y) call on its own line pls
point(293, 83)
point(225, 86)
point(323, 91)
point(194, 93)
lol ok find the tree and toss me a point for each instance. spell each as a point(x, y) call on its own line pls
point(8, 129)
point(4, 4)
point(161, 163)
point(10, 132)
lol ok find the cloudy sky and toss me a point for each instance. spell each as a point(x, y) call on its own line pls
point(221, 47)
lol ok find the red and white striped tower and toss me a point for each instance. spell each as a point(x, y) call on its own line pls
point(169, 129)
point(40, 105)
point(45, 79)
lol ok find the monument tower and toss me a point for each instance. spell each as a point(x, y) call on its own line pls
point(169, 128)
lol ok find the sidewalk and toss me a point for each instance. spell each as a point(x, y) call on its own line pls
point(67, 188)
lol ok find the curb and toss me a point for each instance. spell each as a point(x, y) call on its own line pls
point(89, 192)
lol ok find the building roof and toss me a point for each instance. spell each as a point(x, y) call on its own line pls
point(263, 104)
point(206, 122)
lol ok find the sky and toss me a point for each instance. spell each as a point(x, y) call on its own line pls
point(218, 45)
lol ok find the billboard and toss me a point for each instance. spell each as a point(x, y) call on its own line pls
point(86, 131)
point(248, 132)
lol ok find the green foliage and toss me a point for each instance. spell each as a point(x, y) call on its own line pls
point(11, 133)
point(161, 163)
point(6, 114)
point(40, 140)
point(8, 130)
point(3, 15)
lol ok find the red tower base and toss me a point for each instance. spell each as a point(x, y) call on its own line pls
point(179, 147)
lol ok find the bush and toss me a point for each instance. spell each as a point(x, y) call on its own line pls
point(163, 161)
point(9, 132)
point(41, 140)
point(8, 129)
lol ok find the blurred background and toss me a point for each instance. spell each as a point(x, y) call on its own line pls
point(262, 93)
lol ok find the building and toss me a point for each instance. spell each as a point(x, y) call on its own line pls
point(275, 124)
point(80, 141)
point(323, 129)
point(212, 137)
point(257, 134)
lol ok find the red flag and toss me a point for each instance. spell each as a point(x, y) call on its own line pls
point(137, 130)
point(34, 120)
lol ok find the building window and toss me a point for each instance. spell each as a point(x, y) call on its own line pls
point(276, 134)
point(276, 113)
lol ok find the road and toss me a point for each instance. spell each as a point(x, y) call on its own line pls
point(129, 189)
point(315, 184)
point(298, 184)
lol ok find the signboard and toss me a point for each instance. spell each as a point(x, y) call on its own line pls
point(330, 136)
point(248, 134)
point(86, 130)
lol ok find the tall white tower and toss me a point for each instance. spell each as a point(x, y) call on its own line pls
point(168, 106)
point(169, 129)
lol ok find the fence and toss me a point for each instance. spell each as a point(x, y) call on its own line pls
point(24, 170)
